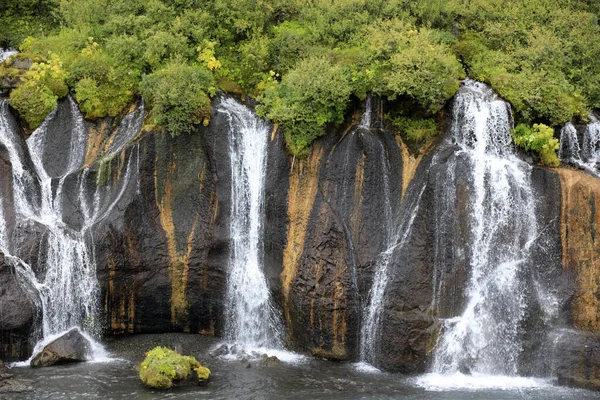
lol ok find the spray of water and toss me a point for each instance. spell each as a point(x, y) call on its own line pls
point(252, 322)
point(66, 283)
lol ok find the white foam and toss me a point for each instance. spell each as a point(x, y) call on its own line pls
point(458, 381)
point(366, 368)
point(5, 53)
point(98, 352)
point(255, 353)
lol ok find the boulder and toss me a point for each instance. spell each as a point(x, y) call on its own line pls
point(270, 362)
point(576, 358)
point(70, 347)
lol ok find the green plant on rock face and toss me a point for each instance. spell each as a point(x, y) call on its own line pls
point(163, 366)
point(309, 98)
point(539, 138)
point(415, 130)
point(178, 95)
point(34, 101)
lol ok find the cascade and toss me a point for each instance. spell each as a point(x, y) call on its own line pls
point(65, 274)
point(591, 143)
point(397, 230)
point(585, 155)
point(484, 339)
point(569, 150)
point(5, 53)
point(251, 319)
point(365, 119)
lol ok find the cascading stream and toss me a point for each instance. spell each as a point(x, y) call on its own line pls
point(585, 155)
point(65, 277)
point(485, 338)
point(251, 321)
point(397, 231)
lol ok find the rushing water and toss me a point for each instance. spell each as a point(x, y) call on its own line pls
point(484, 340)
point(397, 230)
point(586, 154)
point(313, 379)
point(65, 274)
point(251, 320)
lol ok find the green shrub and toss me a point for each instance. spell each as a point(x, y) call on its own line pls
point(310, 97)
point(34, 101)
point(423, 70)
point(291, 41)
point(178, 95)
point(539, 138)
point(415, 130)
point(162, 367)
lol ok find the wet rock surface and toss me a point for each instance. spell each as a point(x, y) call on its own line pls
point(162, 253)
point(70, 347)
point(17, 314)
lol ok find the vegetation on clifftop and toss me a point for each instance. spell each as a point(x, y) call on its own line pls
point(305, 62)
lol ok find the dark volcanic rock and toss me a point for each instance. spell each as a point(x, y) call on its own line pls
point(70, 347)
point(17, 314)
point(576, 358)
point(270, 362)
point(336, 212)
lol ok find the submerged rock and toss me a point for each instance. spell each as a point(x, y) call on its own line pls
point(15, 385)
point(70, 347)
point(270, 362)
point(222, 350)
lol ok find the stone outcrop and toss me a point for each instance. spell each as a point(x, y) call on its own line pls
point(18, 312)
point(68, 348)
point(577, 353)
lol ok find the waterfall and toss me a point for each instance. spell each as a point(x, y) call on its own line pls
point(591, 143)
point(569, 150)
point(251, 319)
point(65, 276)
point(484, 339)
point(585, 155)
point(5, 53)
point(365, 120)
point(397, 231)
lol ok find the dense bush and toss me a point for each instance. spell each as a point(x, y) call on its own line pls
point(541, 55)
point(34, 101)
point(309, 98)
point(162, 367)
point(43, 84)
point(179, 96)
point(539, 138)
point(415, 130)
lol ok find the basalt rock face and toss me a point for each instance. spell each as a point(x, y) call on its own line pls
point(162, 252)
point(577, 351)
point(163, 261)
point(335, 214)
point(18, 314)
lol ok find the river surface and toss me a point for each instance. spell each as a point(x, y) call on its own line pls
point(304, 378)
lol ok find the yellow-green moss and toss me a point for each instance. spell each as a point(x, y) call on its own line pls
point(162, 367)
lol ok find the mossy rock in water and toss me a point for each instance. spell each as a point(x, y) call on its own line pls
point(162, 367)
point(202, 373)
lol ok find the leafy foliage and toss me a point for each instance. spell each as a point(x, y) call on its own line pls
point(309, 98)
point(163, 366)
point(541, 55)
point(178, 94)
point(415, 130)
point(539, 138)
point(34, 101)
